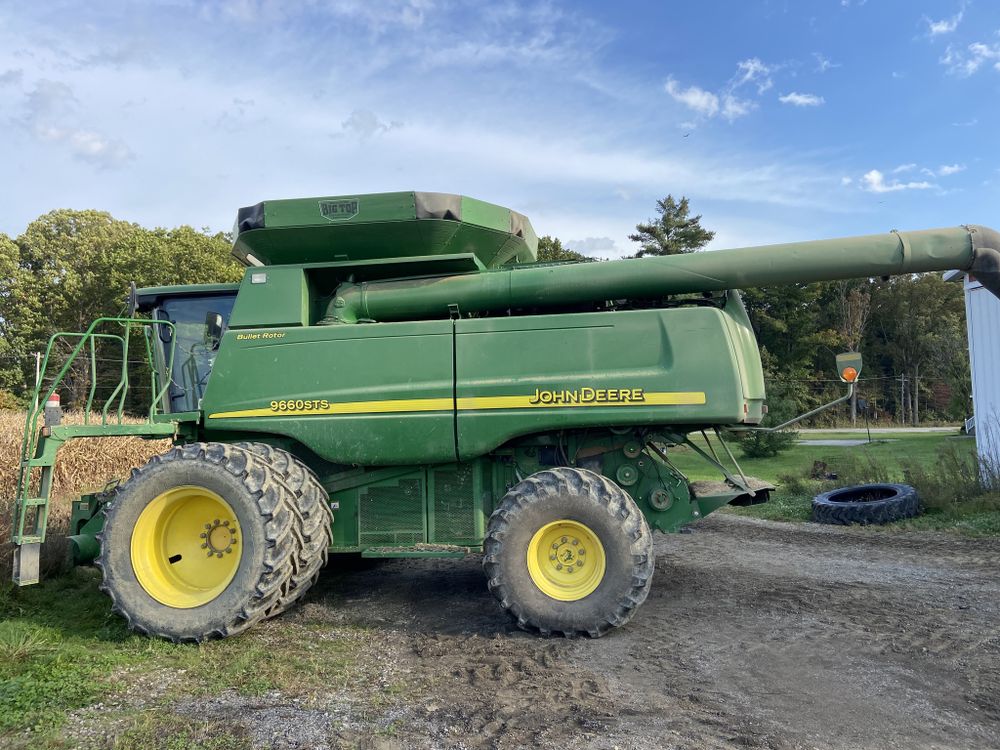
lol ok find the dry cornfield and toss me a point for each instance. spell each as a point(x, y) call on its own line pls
point(83, 465)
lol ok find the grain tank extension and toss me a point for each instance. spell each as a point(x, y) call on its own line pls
point(396, 377)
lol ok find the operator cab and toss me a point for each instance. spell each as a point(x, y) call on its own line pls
point(200, 316)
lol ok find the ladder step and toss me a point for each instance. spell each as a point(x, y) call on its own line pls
point(34, 501)
point(25, 569)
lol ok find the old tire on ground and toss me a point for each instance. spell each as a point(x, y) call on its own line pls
point(866, 504)
point(312, 524)
point(568, 552)
point(198, 543)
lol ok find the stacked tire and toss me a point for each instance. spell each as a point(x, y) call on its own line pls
point(208, 539)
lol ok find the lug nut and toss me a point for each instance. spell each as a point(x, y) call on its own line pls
point(203, 535)
point(576, 541)
point(552, 557)
point(579, 563)
point(559, 566)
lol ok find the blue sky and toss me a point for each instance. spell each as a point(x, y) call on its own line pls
point(781, 120)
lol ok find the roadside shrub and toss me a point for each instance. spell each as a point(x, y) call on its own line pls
point(956, 480)
point(781, 408)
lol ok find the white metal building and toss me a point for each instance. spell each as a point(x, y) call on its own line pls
point(983, 320)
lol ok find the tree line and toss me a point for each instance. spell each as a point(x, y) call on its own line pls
point(69, 267)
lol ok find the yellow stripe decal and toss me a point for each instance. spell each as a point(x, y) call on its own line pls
point(538, 400)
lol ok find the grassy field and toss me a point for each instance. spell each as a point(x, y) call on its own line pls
point(933, 462)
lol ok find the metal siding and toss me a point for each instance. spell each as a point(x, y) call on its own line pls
point(983, 310)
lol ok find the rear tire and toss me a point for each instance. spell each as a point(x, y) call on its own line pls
point(536, 536)
point(312, 523)
point(201, 499)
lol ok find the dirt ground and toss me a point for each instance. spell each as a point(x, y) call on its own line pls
point(755, 635)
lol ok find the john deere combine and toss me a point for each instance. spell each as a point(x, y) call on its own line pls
point(395, 377)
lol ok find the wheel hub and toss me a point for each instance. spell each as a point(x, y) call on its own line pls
point(566, 560)
point(186, 547)
point(218, 538)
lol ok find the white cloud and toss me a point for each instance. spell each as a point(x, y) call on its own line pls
point(753, 71)
point(749, 72)
point(966, 123)
point(824, 63)
point(97, 149)
point(801, 100)
point(595, 247)
point(364, 124)
point(945, 25)
point(50, 115)
point(733, 107)
point(845, 181)
point(874, 182)
point(964, 63)
point(703, 102)
point(947, 169)
point(904, 168)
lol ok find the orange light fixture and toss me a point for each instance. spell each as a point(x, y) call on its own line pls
point(849, 374)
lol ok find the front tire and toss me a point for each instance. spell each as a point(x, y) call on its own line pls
point(568, 551)
point(198, 543)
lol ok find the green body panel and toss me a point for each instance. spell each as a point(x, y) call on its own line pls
point(365, 395)
point(272, 297)
point(363, 227)
point(685, 354)
point(390, 393)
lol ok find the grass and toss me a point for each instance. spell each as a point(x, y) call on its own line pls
point(61, 649)
point(936, 463)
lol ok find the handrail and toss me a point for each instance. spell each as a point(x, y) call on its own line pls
point(88, 339)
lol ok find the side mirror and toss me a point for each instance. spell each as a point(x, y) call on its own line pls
point(849, 366)
point(133, 299)
point(213, 330)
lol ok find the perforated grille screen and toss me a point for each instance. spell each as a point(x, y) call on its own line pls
point(453, 507)
point(393, 515)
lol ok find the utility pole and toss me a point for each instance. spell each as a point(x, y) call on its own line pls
point(38, 376)
point(902, 399)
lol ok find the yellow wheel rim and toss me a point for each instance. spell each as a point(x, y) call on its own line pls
point(566, 560)
point(186, 547)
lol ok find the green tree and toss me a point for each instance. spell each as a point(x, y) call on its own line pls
point(551, 250)
point(919, 325)
point(672, 232)
point(70, 267)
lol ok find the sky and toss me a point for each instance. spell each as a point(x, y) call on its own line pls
point(781, 120)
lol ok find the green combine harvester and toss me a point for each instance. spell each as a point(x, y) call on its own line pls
point(395, 377)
